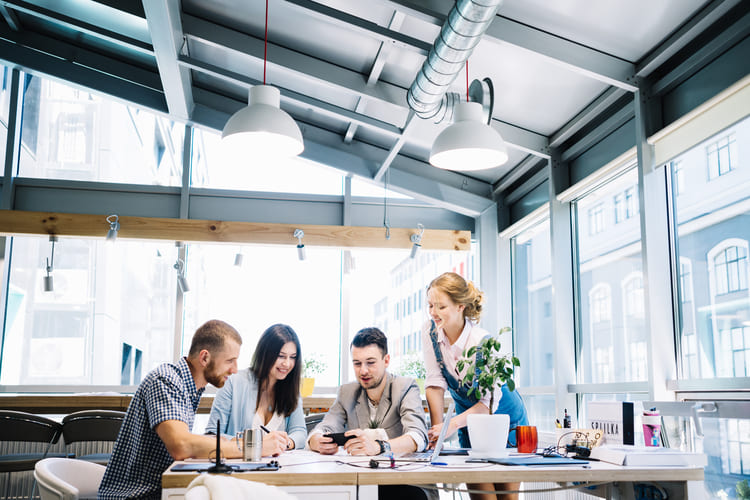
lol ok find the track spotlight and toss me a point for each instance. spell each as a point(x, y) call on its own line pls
point(181, 281)
point(238, 258)
point(416, 240)
point(48, 283)
point(114, 227)
point(299, 234)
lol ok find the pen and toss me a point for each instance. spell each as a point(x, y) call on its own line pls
point(264, 429)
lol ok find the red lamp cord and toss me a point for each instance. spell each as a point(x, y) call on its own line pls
point(265, 47)
point(467, 80)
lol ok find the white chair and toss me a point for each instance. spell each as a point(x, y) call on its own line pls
point(218, 487)
point(68, 478)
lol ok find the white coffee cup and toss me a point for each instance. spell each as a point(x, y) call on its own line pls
point(488, 435)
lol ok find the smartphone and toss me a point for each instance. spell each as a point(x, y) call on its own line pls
point(338, 437)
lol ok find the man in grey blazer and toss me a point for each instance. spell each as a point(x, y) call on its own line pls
point(378, 400)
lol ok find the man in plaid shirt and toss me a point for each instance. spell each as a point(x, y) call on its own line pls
point(157, 427)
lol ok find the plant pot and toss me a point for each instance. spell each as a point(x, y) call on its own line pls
point(488, 435)
point(308, 384)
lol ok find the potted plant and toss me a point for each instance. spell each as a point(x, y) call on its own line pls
point(314, 364)
point(412, 365)
point(492, 370)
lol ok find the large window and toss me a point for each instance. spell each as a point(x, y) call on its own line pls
point(713, 230)
point(532, 311)
point(108, 318)
point(271, 286)
point(533, 323)
point(721, 155)
point(214, 167)
point(73, 134)
point(4, 107)
point(610, 287)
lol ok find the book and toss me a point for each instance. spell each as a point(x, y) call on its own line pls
point(615, 419)
point(632, 455)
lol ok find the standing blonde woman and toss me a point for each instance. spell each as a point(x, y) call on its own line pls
point(455, 306)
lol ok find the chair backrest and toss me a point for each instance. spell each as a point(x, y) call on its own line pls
point(312, 420)
point(92, 425)
point(21, 426)
point(67, 478)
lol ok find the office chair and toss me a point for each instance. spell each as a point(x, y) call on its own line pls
point(68, 478)
point(97, 428)
point(26, 439)
point(312, 420)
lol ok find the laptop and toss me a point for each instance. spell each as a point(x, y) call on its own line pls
point(431, 456)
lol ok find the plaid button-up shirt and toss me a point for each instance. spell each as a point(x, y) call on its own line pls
point(140, 457)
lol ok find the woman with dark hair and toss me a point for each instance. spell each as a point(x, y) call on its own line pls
point(266, 394)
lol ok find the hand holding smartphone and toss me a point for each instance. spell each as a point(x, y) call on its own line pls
point(338, 437)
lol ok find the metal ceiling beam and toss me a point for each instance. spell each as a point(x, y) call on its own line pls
point(516, 174)
point(377, 68)
point(576, 57)
point(78, 25)
point(612, 123)
point(522, 139)
point(10, 17)
point(586, 115)
point(384, 95)
point(132, 8)
point(420, 180)
point(395, 148)
point(390, 98)
point(359, 25)
point(39, 63)
point(705, 17)
point(167, 39)
point(82, 57)
point(573, 56)
point(289, 95)
point(738, 30)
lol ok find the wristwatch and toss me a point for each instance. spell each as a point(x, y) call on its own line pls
point(385, 446)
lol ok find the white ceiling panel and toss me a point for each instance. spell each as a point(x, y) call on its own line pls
point(626, 29)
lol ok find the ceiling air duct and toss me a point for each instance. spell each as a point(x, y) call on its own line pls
point(466, 23)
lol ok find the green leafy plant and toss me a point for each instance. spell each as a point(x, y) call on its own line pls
point(412, 365)
point(373, 424)
point(314, 365)
point(494, 369)
point(743, 490)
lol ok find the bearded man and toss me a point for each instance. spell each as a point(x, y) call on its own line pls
point(157, 428)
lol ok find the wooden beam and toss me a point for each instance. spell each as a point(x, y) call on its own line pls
point(13, 222)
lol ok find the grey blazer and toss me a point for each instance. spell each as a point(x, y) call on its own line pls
point(400, 409)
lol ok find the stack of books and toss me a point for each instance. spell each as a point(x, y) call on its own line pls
point(638, 456)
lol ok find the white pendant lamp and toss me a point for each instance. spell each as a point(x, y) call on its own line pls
point(263, 128)
point(468, 143)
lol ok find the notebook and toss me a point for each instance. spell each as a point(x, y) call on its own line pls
point(431, 456)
